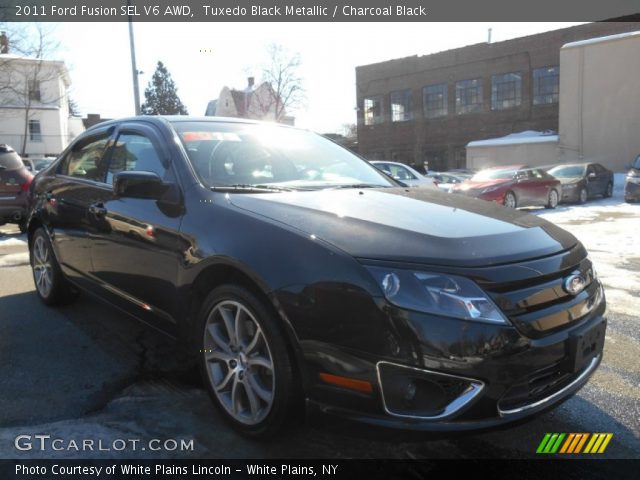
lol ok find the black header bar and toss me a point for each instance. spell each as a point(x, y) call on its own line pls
point(313, 10)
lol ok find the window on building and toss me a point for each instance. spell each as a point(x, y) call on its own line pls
point(35, 134)
point(435, 100)
point(546, 85)
point(373, 110)
point(506, 91)
point(469, 96)
point(401, 106)
point(34, 90)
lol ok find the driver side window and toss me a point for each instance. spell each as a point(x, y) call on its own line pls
point(134, 151)
point(86, 160)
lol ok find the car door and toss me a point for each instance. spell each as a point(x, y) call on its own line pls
point(593, 182)
point(78, 184)
point(135, 254)
point(541, 186)
point(522, 187)
point(602, 177)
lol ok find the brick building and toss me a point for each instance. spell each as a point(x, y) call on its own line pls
point(427, 108)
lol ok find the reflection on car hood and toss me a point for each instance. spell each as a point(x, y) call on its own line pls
point(567, 181)
point(412, 225)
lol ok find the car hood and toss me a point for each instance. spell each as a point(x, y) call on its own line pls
point(411, 225)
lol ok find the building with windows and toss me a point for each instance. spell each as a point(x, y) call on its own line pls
point(34, 105)
point(428, 108)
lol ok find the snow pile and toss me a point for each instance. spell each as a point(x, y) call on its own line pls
point(528, 136)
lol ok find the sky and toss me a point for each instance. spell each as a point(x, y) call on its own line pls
point(204, 57)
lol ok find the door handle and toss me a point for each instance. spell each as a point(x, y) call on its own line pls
point(98, 210)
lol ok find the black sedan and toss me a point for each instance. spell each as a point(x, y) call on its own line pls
point(292, 269)
point(581, 181)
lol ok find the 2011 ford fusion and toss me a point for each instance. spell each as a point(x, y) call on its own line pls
point(294, 270)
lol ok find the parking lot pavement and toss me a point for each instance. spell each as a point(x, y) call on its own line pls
point(87, 371)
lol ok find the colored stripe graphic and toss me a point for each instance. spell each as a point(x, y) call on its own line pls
point(573, 443)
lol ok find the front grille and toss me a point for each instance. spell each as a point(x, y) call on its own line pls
point(542, 306)
point(537, 386)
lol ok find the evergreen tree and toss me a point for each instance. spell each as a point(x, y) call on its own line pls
point(161, 95)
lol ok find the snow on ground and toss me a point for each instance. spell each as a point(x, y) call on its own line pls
point(610, 230)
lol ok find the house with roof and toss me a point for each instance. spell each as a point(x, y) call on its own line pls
point(257, 103)
point(34, 104)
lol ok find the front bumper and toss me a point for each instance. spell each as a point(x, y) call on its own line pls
point(632, 190)
point(428, 372)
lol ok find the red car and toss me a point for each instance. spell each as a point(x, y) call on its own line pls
point(513, 186)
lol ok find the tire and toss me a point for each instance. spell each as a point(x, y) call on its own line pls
point(609, 191)
point(251, 380)
point(51, 286)
point(554, 198)
point(510, 200)
point(582, 196)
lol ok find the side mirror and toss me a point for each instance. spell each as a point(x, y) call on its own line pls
point(136, 184)
point(592, 175)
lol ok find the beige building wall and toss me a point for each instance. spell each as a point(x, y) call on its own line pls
point(532, 154)
point(600, 101)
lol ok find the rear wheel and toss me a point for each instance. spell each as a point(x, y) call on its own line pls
point(609, 191)
point(51, 286)
point(245, 362)
point(552, 201)
point(510, 200)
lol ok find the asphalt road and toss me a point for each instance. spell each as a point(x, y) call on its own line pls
point(88, 371)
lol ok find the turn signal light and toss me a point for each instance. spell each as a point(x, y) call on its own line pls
point(345, 382)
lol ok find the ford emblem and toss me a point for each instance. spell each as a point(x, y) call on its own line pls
point(574, 284)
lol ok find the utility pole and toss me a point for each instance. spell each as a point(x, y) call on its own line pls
point(134, 68)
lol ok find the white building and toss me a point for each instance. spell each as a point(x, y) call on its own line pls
point(257, 103)
point(34, 103)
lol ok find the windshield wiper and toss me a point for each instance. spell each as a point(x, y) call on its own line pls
point(359, 185)
point(247, 187)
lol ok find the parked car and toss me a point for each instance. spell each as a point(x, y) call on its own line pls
point(404, 173)
point(581, 181)
point(513, 186)
point(292, 269)
point(42, 163)
point(632, 182)
point(444, 180)
point(14, 184)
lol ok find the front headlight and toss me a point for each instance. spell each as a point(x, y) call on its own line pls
point(490, 189)
point(437, 293)
point(569, 186)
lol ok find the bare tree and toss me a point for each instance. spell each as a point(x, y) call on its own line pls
point(20, 80)
point(281, 76)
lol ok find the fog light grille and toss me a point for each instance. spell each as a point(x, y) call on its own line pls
point(413, 392)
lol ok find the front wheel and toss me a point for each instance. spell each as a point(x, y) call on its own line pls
point(582, 195)
point(245, 362)
point(51, 286)
point(510, 200)
point(552, 201)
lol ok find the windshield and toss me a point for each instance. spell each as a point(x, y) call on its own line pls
point(636, 164)
point(494, 174)
point(568, 171)
point(257, 155)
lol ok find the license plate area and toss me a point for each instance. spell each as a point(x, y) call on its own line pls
point(585, 344)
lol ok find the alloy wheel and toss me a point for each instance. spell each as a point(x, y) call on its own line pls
point(42, 267)
point(583, 196)
point(510, 200)
point(609, 190)
point(553, 199)
point(239, 362)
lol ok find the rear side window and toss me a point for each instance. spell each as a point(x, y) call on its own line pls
point(133, 151)
point(86, 160)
